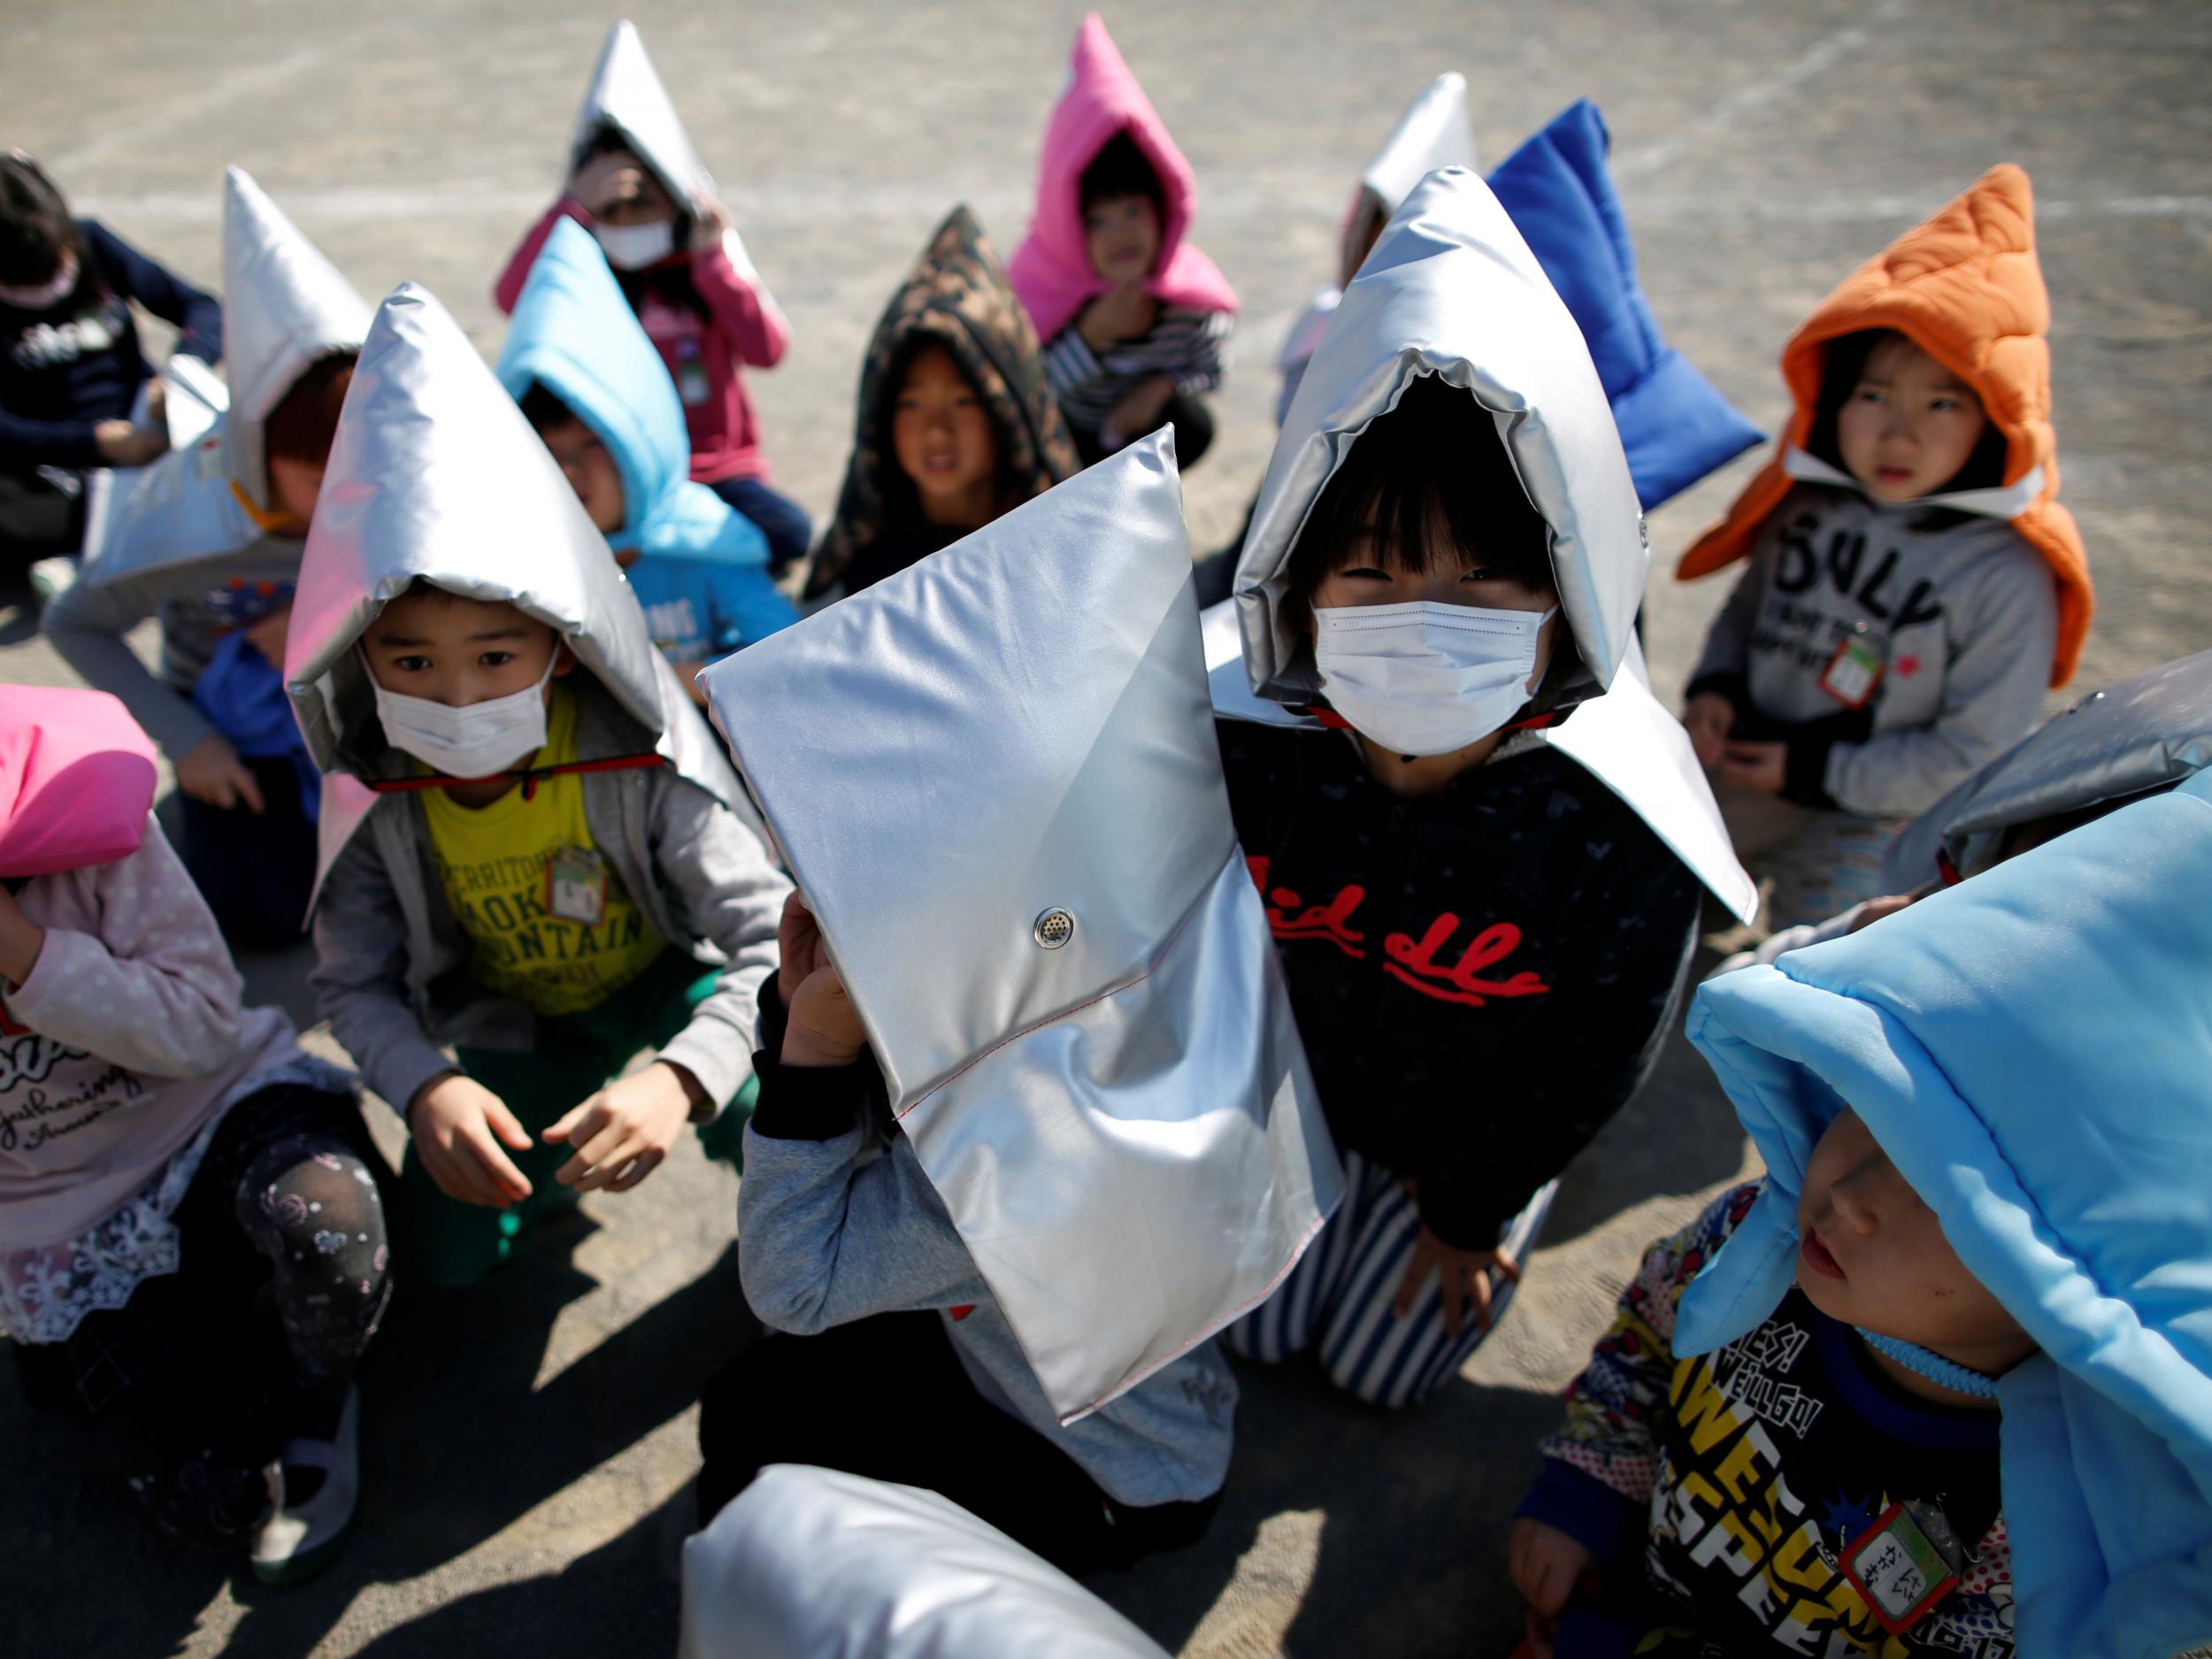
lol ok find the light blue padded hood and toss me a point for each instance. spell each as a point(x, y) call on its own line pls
point(2033, 1049)
point(575, 333)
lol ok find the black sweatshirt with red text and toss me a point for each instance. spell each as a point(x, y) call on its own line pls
point(1482, 975)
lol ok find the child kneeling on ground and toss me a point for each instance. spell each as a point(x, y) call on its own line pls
point(149, 1124)
point(1943, 1382)
point(557, 868)
point(1914, 583)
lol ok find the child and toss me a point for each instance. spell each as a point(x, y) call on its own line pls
point(956, 423)
point(557, 868)
point(1136, 321)
point(1942, 1383)
point(1914, 582)
point(591, 385)
point(209, 543)
point(2138, 738)
point(636, 184)
point(1076, 1135)
point(148, 1121)
point(1431, 132)
point(71, 370)
point(1483, 939)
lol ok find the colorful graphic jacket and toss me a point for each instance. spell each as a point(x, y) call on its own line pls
point(1482, 975)
point(1741, 1477)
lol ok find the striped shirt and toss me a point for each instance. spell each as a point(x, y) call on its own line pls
point(1189, 347)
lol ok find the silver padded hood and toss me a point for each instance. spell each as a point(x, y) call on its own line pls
point(1452, 290)
point(2145, 733)
point(1431, 132)
point(815, 1563)
point(995, 779)
point(284, 307)
point(626, 94)
point(435, 473)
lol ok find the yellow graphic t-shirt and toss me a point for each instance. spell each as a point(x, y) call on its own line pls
point(522, 874)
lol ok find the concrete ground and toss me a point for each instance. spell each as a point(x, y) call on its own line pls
point(529, 1448)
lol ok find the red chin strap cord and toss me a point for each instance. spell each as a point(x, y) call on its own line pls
point(1333, 721)
point(529, 775)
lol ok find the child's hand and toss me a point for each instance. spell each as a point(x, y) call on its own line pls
point(122, 444)
point(21, 940)
point(1139, 412)
point(1465, 1277)
point(1760, 768)
point(1547, 1564)
point(621, 1134)
point(1121, 313)
point(268, 635)
point(595, 182)
point(1708, 720)
point(460, 1126)
point(210, 771)
point(822, 1026)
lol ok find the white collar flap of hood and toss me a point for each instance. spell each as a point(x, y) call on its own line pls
point(1451, 290)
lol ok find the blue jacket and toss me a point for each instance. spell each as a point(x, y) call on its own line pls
point(2033, 1049)
point(1675, 425)
point(701, 568)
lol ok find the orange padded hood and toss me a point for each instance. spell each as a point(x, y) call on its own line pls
point(1966, 288)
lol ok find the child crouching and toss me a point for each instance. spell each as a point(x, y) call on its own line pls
point(1944, 1383)
point(556, 868)
point(148, 1118)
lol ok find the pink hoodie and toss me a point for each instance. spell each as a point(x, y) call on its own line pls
point(1051, 270)
point(128, 1035)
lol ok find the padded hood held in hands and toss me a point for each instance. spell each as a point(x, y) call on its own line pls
point(995, 777)
point(2031, 1048)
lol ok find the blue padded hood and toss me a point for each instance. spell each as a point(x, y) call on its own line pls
point(575, 333)
point(1674, 424)
point(2033, 1049)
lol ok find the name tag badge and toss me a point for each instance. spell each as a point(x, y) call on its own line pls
point(1897, 1567)
point(1853, 673)
point(576, 885)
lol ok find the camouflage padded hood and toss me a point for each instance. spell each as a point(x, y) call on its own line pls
point(956, 297)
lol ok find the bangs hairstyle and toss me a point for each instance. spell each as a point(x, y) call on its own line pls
point(36, 228)
point(1119, 170)
point(902, 501)
point(1840, 370)
point(305, 419)
point(544, 409)
point(1427, 483)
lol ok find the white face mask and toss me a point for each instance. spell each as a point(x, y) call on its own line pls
point(49, 293)
point(480, 740)
point(1425, 678)
point(633, 246)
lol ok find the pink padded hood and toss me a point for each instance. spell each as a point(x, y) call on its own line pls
point(1050, 271)
point(76, 780)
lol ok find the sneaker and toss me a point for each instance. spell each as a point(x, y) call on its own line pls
point(51, 578)
point(299, 1537)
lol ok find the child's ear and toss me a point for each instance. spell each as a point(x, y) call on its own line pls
point(563, 659)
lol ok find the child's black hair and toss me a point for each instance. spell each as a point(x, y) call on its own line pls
point(304, 422)
point(1434, 463)
point(544, 409)
point(1121, 169)
point(1840, 374)
point(36, 231)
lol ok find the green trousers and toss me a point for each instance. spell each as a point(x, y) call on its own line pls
point(452, 1243)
